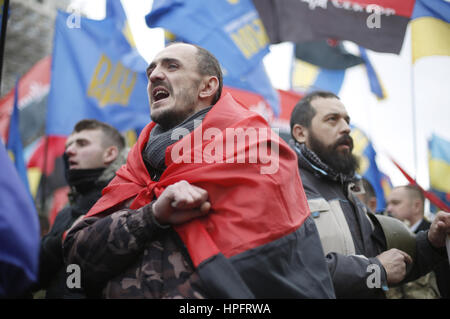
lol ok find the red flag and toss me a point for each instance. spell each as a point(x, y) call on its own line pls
point(431, 197)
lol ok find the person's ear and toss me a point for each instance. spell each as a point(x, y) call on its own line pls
point(300, 133)
point(372, 204)
point(417, 205)
point(209, 87)
point(110, 154)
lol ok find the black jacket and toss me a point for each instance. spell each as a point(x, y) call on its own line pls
point(52, 270)
point(52, 273)
point(350, 272)
point(442, 271)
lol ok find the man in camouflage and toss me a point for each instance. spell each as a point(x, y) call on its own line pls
point(407, 203)
point(167, 229)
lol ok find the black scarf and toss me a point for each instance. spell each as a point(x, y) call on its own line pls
point(160, 139)
point(310, 161)
point(84, 180)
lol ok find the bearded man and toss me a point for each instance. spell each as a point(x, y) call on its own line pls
point(362, 255)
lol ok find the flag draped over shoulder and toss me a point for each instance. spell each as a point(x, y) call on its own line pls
point(439, 168)
point(220, 175)
point(96, 73)
point(368, 167)
point(19, 232)
point(354, 20)
point(243, 219)
point(231, 30)
point(430, 29)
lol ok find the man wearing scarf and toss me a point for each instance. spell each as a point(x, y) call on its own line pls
point(190, 217)
point(94, 151)
point(361, 263)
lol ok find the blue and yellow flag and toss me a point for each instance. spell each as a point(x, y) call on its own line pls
point(96, 73)
point(368, 168)
point(229, 29)
point(19, 235)
point(430, 29)
point(307, 77)
point(439, 168)
point(14, 144)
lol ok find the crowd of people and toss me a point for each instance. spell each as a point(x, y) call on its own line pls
point(193, 210)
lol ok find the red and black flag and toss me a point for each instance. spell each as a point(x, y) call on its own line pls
point(378, 25)
point(258, 240)
point(328, 54)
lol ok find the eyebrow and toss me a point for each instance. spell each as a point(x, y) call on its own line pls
point(75, 141)
point(346, 117)
point(163, 61)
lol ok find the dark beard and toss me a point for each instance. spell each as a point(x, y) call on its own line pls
point(341, 162)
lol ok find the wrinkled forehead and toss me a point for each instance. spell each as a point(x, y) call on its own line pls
point(182, 52)
point(324, 106)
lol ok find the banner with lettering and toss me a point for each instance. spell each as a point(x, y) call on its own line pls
point(230, 29)
point(96, 73)
point(378, 25)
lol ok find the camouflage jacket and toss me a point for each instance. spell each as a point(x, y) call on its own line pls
point(127, 255)
point(423, 288)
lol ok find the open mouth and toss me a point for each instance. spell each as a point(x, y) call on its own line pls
point(159, 93)
point(72, 163)
point(345, 142)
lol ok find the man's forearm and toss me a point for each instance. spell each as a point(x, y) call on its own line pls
point(103, 247)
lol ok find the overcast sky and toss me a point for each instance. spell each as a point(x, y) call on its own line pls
point(389, 123)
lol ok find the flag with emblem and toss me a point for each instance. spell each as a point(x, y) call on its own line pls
point(96, 73)
point(231, 30)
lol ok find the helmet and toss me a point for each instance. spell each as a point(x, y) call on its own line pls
point(397, 235)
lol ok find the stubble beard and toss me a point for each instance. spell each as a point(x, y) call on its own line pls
point(172, 116)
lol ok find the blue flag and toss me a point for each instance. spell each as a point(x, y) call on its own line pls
point(96, 73)
point(19, 232)
point(231, 30)
point(374, 81)
point(14, 144)
point(368, 168)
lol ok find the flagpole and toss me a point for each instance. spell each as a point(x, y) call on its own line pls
point(413, 111)
point(44, 176)
point(3, 37)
